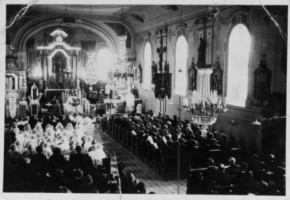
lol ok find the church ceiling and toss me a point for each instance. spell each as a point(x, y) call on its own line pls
point(137, 17)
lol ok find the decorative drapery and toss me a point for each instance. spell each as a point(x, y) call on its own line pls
point(163, 85)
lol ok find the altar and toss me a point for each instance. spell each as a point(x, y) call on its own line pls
point(76, 105)
point(58, 93)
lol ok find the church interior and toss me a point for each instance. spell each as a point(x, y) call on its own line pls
point(145, 99)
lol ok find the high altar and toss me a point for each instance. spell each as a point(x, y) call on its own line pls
point(60, 74)
point(59, 63)
point(49, 79)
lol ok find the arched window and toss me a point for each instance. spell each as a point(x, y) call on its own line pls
point(147, 65)
point(238, 65)
point(180, 65)
point(104, 63)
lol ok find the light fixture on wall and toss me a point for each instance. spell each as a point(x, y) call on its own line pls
point(256, 123)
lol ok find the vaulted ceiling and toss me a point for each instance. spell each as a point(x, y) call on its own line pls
point(136, 17)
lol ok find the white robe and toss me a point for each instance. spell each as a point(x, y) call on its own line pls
point(97, 156)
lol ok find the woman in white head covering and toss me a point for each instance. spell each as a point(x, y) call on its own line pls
point(59, 126)
point(88, 121)
point(49, 132)
point(79, 134)
point(69, 130)
point(88, 144)
point(27, 128)
point(38, 128)
point(79, 120)
point(63, 144)
point(97, 154)
point(21, 137)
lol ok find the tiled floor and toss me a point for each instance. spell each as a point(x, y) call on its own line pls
point(154, 182)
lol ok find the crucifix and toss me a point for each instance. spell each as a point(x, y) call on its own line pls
point(161, 49)
point(162, 79)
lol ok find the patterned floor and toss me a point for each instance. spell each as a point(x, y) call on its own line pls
point(154, 182)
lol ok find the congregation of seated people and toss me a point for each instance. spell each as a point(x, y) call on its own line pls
point(163, 133)
point(255, 175)
point(56, 154)
point(217, 163)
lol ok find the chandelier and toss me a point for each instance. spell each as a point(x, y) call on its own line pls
point(121, 77)
point(206, 104)
point(90, 73)
point(205, 107)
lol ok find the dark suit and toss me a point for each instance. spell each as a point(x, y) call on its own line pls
point(82, 161)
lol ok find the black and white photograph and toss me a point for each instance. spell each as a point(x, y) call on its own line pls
point(172, 98)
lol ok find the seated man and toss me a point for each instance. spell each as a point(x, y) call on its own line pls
point(233, 168)
point(81, 160)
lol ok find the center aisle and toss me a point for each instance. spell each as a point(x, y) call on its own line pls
point(153, 182)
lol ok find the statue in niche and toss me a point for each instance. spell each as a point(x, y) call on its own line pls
point(58, 68)
point(154, 72)
point(217, 78)
point(34, 92)
point(192, 76)
point(201, 53)
point(166, 67)
point(262, 82)
point(139, 73)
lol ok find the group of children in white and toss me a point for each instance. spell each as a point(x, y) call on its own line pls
point(65, 138)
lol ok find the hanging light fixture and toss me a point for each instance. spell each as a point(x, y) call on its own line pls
point(121, 78)
point(206, 103)
point(90, 73)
